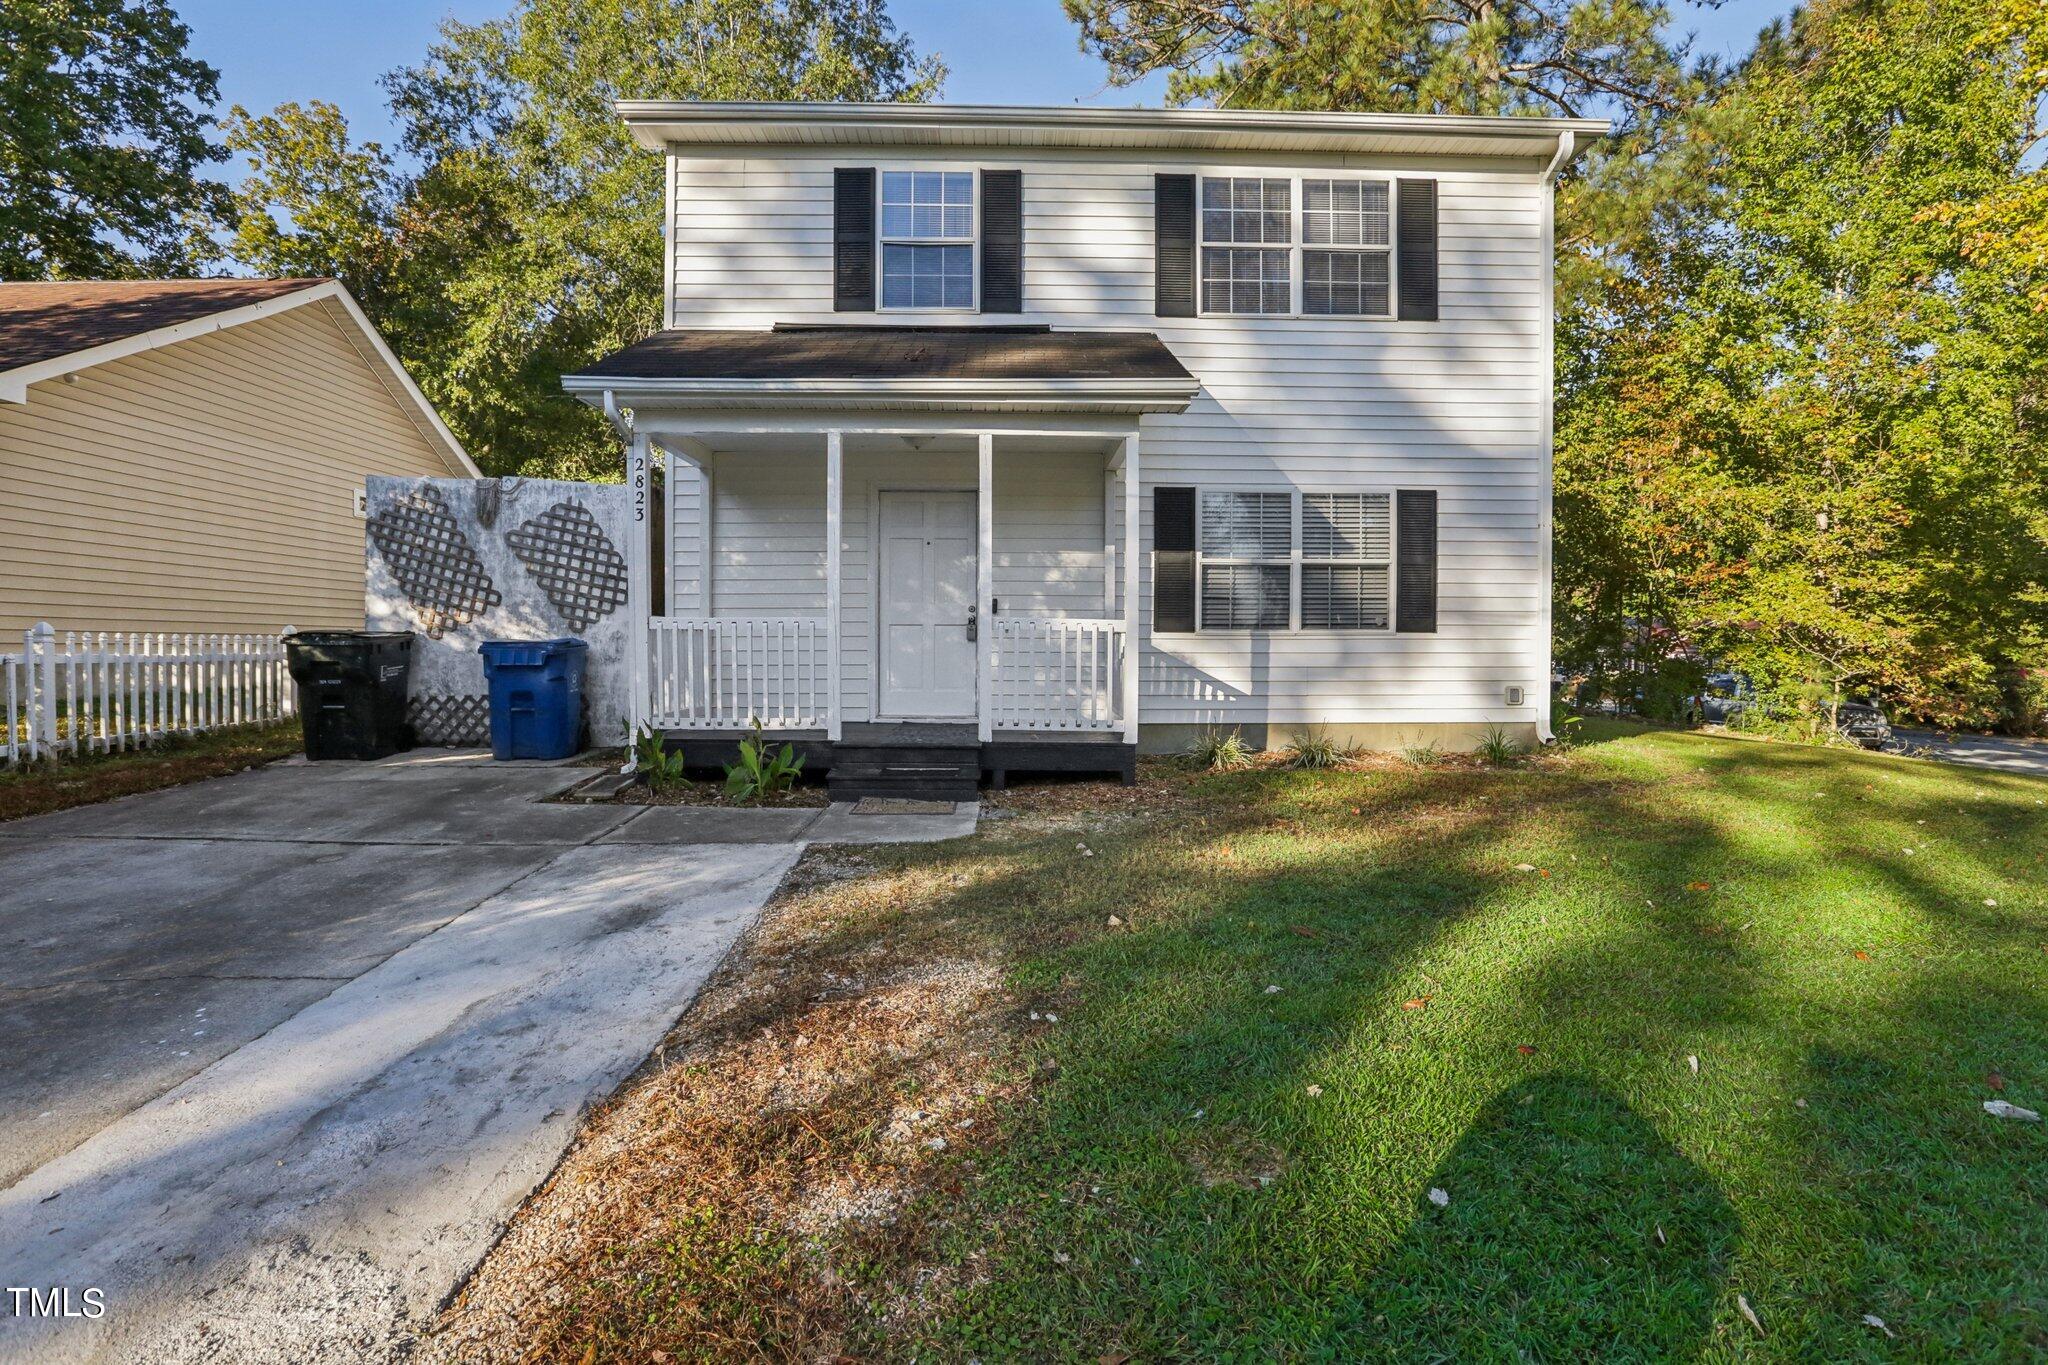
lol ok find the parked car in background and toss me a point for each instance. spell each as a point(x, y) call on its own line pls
point(1863, 722)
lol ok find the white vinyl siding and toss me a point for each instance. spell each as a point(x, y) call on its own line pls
point(1326, 403)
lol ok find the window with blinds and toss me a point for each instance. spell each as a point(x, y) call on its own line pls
point(1276, 560)
point(1347, 545)
point(1247, 549)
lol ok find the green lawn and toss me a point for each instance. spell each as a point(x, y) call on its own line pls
point(1851, 946)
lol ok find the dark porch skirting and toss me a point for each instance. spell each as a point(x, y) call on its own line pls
point(934, 761)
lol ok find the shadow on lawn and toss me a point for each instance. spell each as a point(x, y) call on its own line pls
point(1573, 1228)
point(1242, 1216)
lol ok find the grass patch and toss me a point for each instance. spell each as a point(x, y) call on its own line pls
point(1227, 1032)
point(38, 788)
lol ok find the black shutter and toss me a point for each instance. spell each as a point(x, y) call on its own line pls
point(1415, 560)
point(853, 239)
point(1173, 560)
point(1415, 249)
point(1173, 247)
point(1002, 241)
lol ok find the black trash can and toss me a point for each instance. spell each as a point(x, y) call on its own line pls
point(351, 691)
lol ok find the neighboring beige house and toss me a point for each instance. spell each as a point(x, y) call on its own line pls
point(189, 455)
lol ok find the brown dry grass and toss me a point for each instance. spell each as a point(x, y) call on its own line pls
point(742, 1196)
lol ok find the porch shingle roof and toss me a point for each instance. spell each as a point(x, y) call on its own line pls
point(824, 351)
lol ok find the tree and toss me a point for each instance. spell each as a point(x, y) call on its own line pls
point(1825, 408)
point(1570, 57)
point(103, 131)
point(527, 241)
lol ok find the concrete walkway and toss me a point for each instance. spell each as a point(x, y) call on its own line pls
point(290, 1046)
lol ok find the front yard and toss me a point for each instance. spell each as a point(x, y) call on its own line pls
point(1601, 1053)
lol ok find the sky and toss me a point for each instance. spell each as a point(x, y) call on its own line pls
point(996, 51)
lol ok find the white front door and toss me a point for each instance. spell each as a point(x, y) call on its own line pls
point(927, 662)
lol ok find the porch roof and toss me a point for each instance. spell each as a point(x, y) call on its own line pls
point(927, 367)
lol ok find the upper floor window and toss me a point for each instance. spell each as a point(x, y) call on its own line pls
point(1247, 235)
point(1346, 238)
point(928, 239)
point(1254, 248)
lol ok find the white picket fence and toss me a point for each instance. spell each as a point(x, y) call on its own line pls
point(100, 692)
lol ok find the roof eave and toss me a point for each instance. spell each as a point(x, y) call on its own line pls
point(656, 124)
point(907, 395)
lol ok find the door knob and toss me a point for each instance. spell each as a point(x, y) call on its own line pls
point(974, 623)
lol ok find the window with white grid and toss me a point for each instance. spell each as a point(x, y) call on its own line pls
point(1247, 244)
point(1346, 256)
point(1246, 548)
point(927, 239)
point(1281, 560)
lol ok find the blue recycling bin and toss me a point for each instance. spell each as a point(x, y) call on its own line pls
point(536, 696)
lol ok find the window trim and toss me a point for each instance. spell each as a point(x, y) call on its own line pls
point(1295, 245)
point(1295, 559)
point(883, 241)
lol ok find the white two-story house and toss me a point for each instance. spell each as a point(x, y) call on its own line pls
point(1003, 438)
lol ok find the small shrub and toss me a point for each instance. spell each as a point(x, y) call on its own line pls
point(1496, 746)
point(1565, 723)
point(760, 771)
point(1221, 752)
point(663, 770)
point(1313, 748)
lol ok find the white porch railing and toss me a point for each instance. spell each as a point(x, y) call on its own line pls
point(724, 672)
point(1058, 673)
point(98, 692)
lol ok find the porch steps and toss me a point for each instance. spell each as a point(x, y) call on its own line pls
point(928, 772)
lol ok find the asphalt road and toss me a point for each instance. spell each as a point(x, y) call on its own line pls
point(1978, 751)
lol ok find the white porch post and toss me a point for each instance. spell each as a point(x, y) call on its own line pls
point(1109, 539)
point(835, 499)
point(1132, 652)
point(638, 587)
point(984, 587)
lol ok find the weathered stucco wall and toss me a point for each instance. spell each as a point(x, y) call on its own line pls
point(461, 561)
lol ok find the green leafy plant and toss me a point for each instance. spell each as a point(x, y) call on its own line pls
point(1497, 746)
point(1313, 748)
point(1423, 755)
point(1565, 723)
point(662, 768)
point(762, 772)
point(1221, 752)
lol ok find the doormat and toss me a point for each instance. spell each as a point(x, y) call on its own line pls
point(899, 805)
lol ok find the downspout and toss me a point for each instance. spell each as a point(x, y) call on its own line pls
point(621, 423)
point(1566, 142)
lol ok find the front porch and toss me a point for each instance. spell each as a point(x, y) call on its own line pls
point(943, 602)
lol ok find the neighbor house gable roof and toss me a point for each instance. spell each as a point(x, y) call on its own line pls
point(49, 329)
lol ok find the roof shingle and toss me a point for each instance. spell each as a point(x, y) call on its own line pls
point(41, 320)
point(868, 352)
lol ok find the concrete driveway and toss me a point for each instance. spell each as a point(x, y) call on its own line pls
point(286, 1048)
